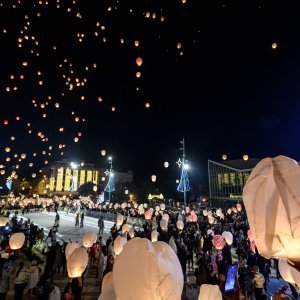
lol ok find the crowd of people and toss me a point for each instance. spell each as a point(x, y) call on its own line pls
point(201, 261)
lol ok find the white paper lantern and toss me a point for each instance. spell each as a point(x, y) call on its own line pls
point(209, 213)
point(17, 240)
point(154, 236)
point(224, 156)
point(285, 271)
point(125, 228)
point(272, 199)
point(119, 243)
point(116, 206)
point(228, 237)
point(77, 262)
point(180, 225)
point(145, 205)
point(71, 247)
point(123, 206)
point(205, 213)
point(210, 292)
point(120, 219)
point(3, 221)
point(108, 293)
point(163, 224)
point(154, 269)
point(166, 164)
point(131, 232)
point(89, 239)
point(228, 211)
point(157, 208)
point(211, 220)
point(162, 206)
point(135, 205)
point(166, 217)
point(218, 212)
point(107, 280)
point(153, 178)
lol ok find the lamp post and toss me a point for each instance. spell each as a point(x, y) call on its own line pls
point(110, 187)
point(184, 185)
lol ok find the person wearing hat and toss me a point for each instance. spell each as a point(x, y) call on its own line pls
point(33, 276)
point(4, 279)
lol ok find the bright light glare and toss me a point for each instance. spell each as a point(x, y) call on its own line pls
point(186, 166)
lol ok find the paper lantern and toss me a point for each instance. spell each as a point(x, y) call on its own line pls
point(222, 216)
point(210, 292)
point(219, 242)
point(272, 199)
point(153, 178)
point(166, 164)
point(205, 213)
point(166, 217)
point(193, 217)
point(162, 206)
point(211, 220)
point(123, 206)
point(239, 206)
point(163, 224)
point(139, 61)
point(210, 232)
point(228, 211)
point(179, 224)
point(89, 239)
point(154, 269)
point(154, 236)
point(224, 156)
point(157, 208)
point(16, 241)
point(107, 280)
point(120, 219)
point(135, 205)
point(103, 152)
point(95, 188)
point(228, 237)
point(131, 232)
point(148, 215)
point(77, 263)
point(125, 228)
point(209, 214)
point(108, 293)
point(71, 247)
point(218, 212)
point(234, 210)
point(285, 271)
point(119, 243)
point(3, 221)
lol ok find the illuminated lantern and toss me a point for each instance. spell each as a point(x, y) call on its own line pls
point(3, 221)
point(16, 241)
point(179, 224)
point(123, 205)
point(224, 156)
point(23, 155)
point(71, 247)
point(139, 61)
point(166, 217)
point(153, 178)
point(154, 236)
point(120, 219)
point(147, 105)
point(239, 206)
point(166, 164)
point(245, 157)
point(286, 271)
point(205, 213)
point(228, 211)
point(228, 237)
point(211, 220)
point(103, 152)
point(125, 228)
point(135, 205)
point(218, 212)
point(5, 122)
point(234, 210)
point(138, 74)
point(7, 149)
point(136, 43)
point(95, 188)
point(116, 206)
point(187, 209)
point(131, 232)
point(77, 263)
point(163, 224)
point(119, 243)
point(89, 239)
point(274, 45)
point(33, 175)
point(209, 214)
point(107, 280)
point(219, 242)
point(157, 208)
point(250, 235)
point(210, 292)
point(145, 205)
point(179, 45)
point(162, 206)
point(148, 215)
point(272, 198)
point(154, 268)
point(193, 217)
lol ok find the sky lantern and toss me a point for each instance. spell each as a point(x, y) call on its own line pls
point(224, 156)
point(139, 61)
point(119, 243)
point(180, 224)
point(120, 219)
point(138, 74)
point(77, 262)
point(163, 224)
point(228, 237)
point(272, 193)
point(7, 149)
point(71, 247)
point(153, 178)
point(239, 206)
point(166, 164)
point(245, 157)
point(5, 122)
point(3, 221)
point(148, 215)
point(103, 152)
point(136, 43)
point(219, 242)
point(162, 206)
point(95, 188)
point(208, 291)
point(154, 236)
point(274, 45)
point(17, 240)
point(147, 105)
point(179, 45)
point(166, 217)
point(89, 239)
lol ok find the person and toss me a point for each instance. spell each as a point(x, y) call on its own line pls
point(20, 281)
point(4, 279)
point(81, 219)
point(101, 225)
point(33, 276)
point(77, 220)
point(258, 282)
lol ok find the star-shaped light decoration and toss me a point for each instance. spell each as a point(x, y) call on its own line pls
point(179, 162)
point(106, 172)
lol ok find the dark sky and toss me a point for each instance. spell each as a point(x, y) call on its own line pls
point(230, 92)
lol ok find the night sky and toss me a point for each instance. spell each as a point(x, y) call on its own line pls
point(209, 73)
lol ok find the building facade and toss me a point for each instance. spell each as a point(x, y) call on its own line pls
point(228, 178)
point(67, 177)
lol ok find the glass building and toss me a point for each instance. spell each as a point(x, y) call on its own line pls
point(228, 178)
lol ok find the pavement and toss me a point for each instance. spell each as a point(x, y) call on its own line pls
point(68, 231)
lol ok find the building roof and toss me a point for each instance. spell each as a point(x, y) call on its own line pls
point(240, 164)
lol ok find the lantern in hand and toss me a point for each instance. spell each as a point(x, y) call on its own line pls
point(77, 262)
point(219, 242)
point(180, 225)
point(71, 247)
point(89, 239)
point(272, 199)
point(228, 237)
point(119, 243)
point(16, 241)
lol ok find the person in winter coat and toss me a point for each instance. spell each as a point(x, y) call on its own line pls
point(20, 281)
point(33, 276)
point(4, 279)
point(258, 281)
